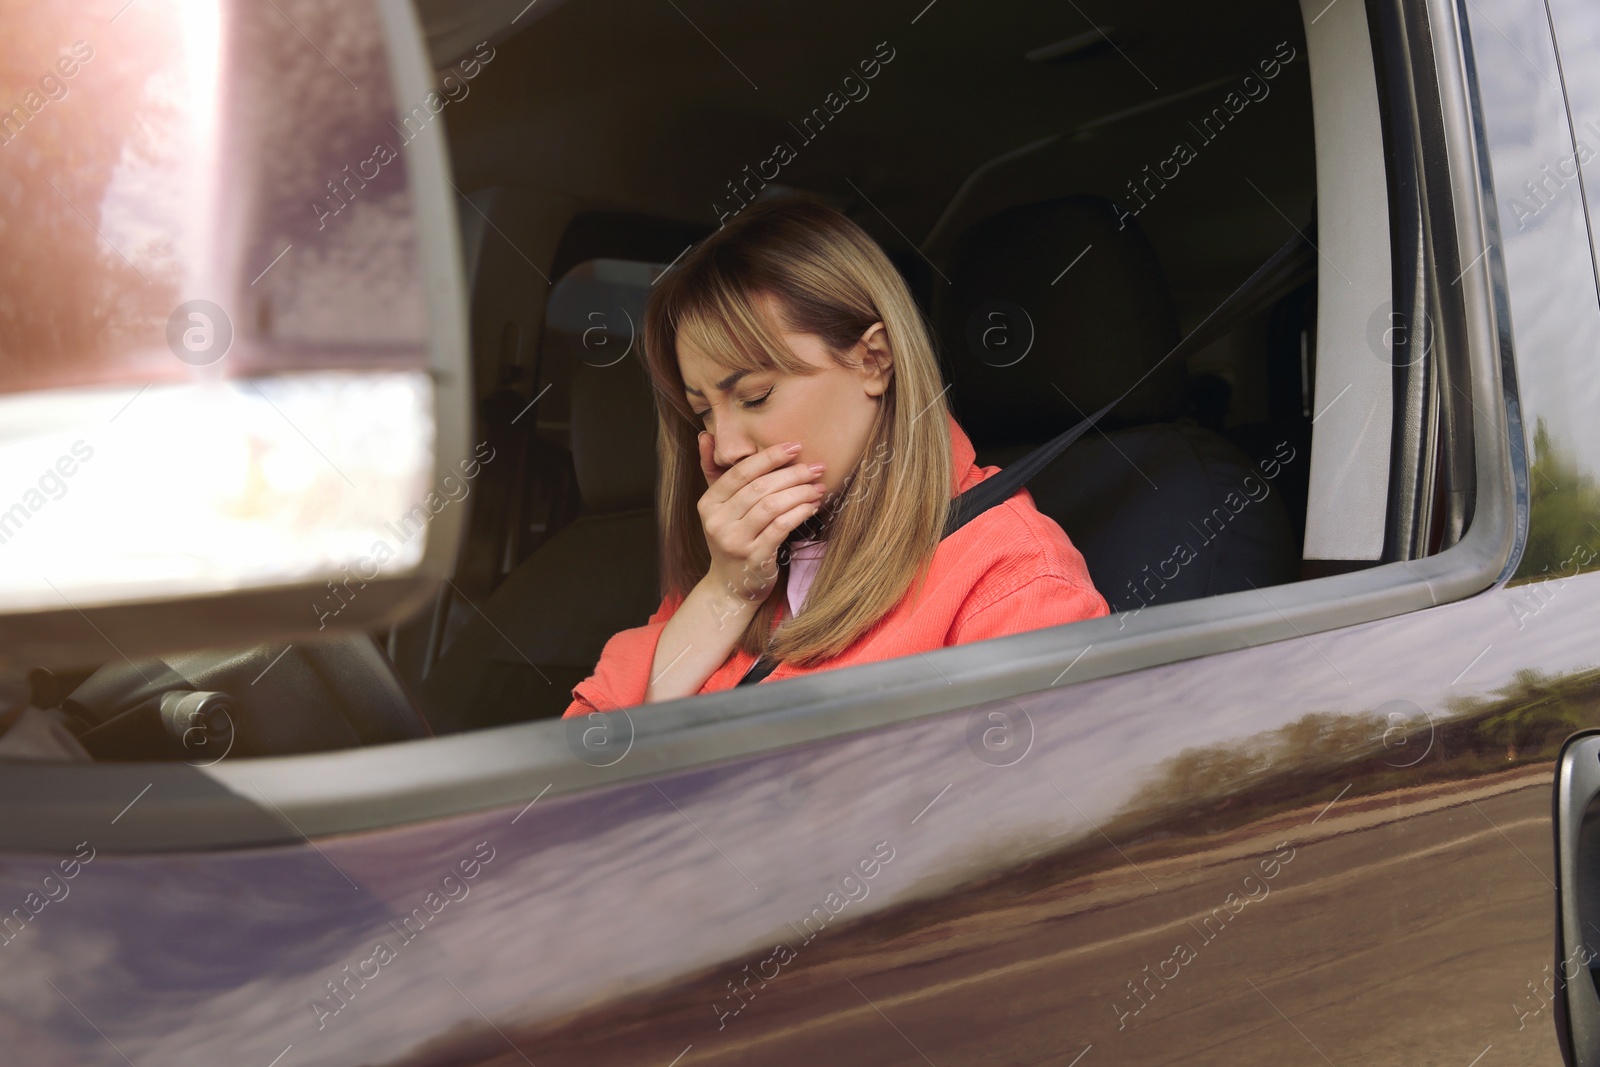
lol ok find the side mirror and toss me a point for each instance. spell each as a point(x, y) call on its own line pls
point(234, 376)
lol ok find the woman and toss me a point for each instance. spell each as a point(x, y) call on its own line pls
point(807, 467)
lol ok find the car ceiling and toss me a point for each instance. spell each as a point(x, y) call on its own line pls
point(654, 107)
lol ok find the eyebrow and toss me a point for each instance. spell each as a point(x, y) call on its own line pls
point(723, 386)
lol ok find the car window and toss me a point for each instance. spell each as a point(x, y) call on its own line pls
point(1054, 271)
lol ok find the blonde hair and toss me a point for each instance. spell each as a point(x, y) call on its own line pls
point(830, 279)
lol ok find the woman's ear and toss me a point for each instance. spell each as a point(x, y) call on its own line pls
point(877, 359)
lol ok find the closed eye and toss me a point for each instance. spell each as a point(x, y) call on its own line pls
point(751, 403)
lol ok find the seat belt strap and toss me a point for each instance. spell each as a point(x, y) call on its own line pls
point(758, 670)
point(998, 488)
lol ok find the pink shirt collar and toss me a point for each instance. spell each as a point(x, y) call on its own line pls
point(806, 556)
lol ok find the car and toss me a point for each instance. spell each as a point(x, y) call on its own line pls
point(329, 467)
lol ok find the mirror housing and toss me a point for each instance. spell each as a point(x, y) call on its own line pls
point(235, 384)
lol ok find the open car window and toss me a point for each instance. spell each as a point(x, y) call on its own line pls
point(1054, 271)
point(1337, 455)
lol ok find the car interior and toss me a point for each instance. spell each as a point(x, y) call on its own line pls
point(1065, 199)
point(983, 169)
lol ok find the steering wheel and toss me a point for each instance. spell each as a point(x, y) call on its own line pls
point(262, 701)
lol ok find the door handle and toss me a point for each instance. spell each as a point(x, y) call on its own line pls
point(1576, 818)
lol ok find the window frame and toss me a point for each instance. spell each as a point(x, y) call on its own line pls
point(284, 800)
point(1431, 476)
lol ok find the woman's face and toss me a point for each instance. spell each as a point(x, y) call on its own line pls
point(829, 411)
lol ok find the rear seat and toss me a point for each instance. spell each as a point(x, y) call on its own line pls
point(542, 630)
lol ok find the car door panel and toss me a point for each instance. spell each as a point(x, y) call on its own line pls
point(1027, 899)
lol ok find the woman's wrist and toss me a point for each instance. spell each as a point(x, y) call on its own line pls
point(736, 592)
point(698, 638)
point(727, 603)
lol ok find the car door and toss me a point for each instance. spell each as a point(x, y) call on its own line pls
point(1556, 200)
point(1260, 827)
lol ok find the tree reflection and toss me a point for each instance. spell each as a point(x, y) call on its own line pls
point(1212, 788)
point(1563, 538)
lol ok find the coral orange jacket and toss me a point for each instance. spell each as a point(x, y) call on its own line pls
point(1010, 569)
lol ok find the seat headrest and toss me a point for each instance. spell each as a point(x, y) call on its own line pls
point(1060, 297)
point(614, 436)
point(593, 323)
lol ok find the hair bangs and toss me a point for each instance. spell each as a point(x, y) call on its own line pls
point(738, 329)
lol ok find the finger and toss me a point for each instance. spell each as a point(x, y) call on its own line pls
point(787, 477)
point(769, 508)
point(752, 467)
point(708, 462)
point(766, 544)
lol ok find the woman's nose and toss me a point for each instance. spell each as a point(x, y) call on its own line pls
point(729, 446)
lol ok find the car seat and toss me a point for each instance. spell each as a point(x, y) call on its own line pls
point(1054, 309)
point(541, 632)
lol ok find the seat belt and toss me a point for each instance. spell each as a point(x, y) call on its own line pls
point(1285, 270)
